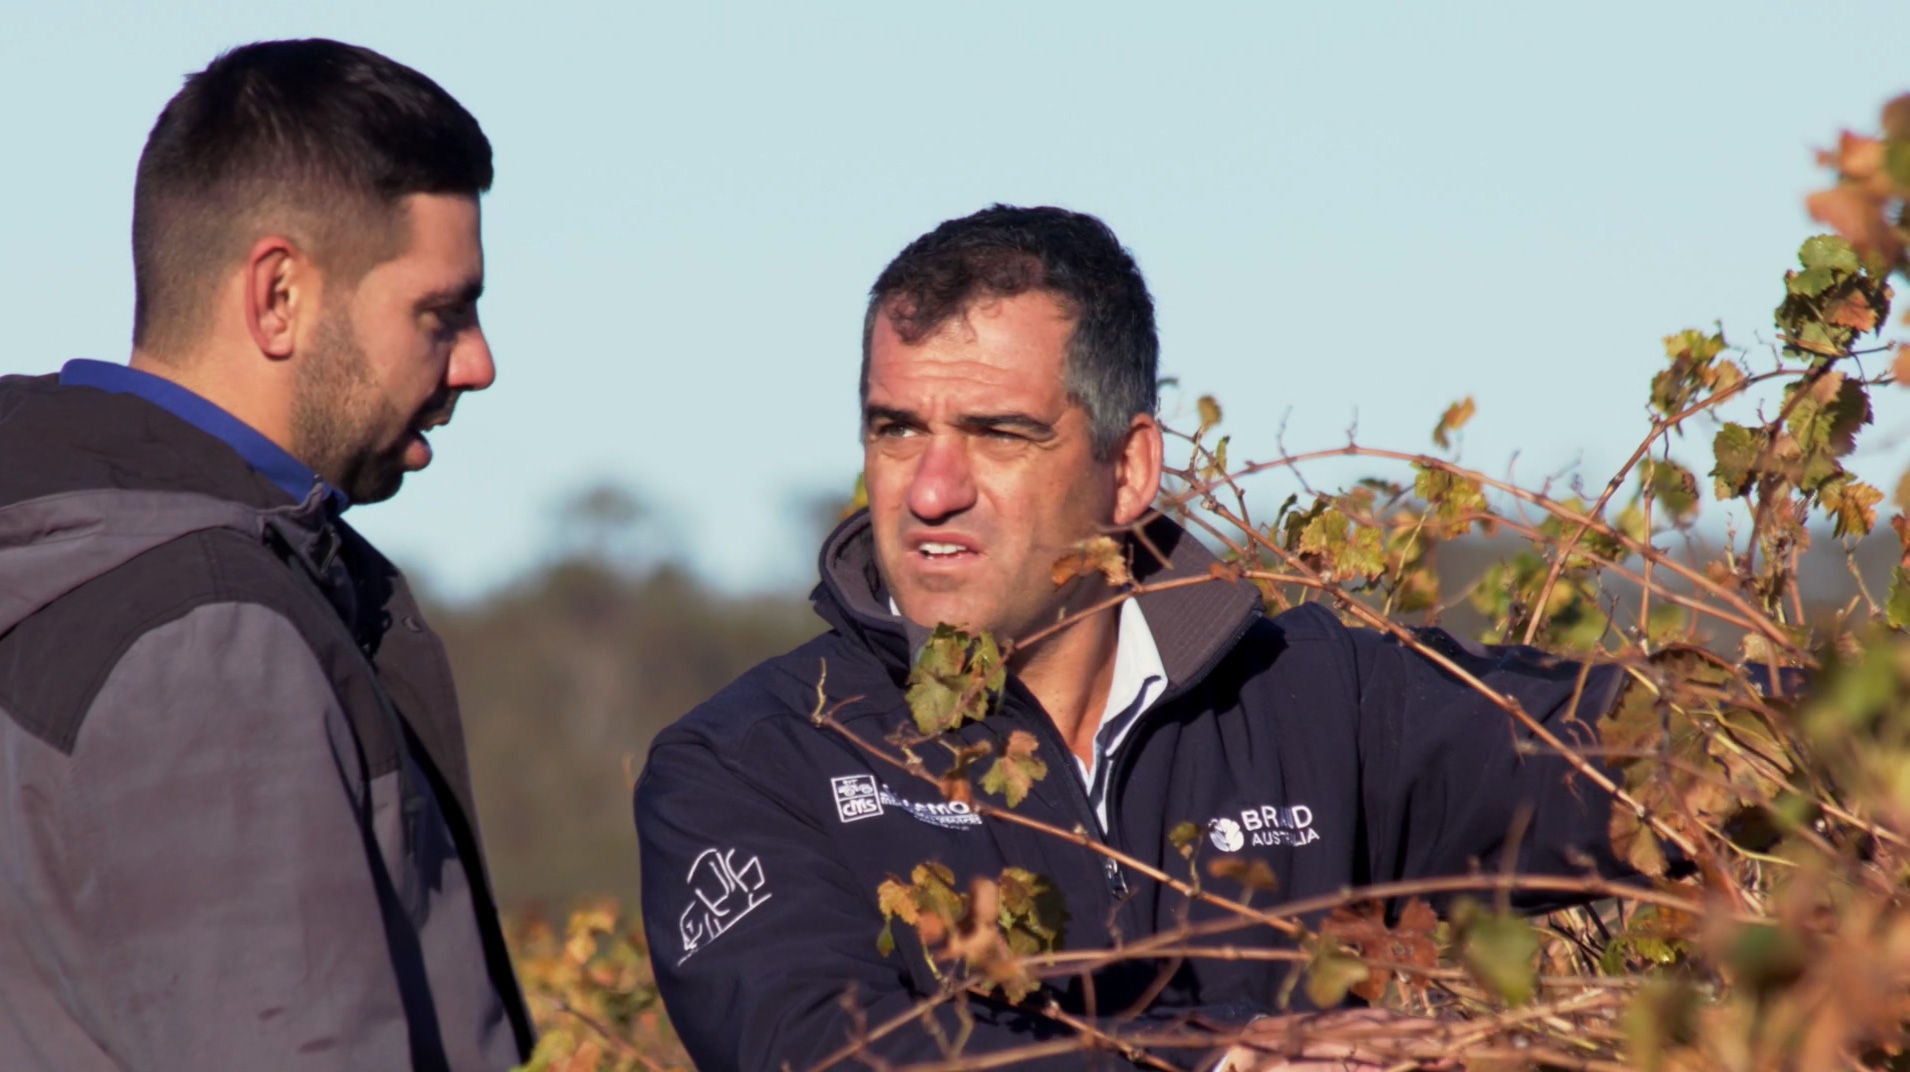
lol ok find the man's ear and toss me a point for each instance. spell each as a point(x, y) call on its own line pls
point(1137, 470)
point(280, 289)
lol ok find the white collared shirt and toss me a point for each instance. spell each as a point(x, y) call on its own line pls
point(1139, 679)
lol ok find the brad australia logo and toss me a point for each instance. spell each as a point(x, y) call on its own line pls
point(722, 893)
point(1263, 825)
point(1226, 834)
point(856, 797)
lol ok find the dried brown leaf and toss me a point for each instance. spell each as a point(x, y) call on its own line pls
point(1099, 554)
point(1858, 215)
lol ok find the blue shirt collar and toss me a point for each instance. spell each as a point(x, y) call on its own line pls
point(270, 460)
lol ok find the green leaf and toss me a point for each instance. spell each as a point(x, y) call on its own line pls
point(1184, 837)
point(1828, 251)
point(1896, 163)
point(1501, 952)
point(1673, 488)
point(1693, 356)
point(1897, 608)
point(1694, 345)
point(1330, 975)
point(1209, 413)
point(1328, 539)
point(1829, 414)
point(1017, 770)
point(1736, 449)
point(994, 671)
point(1030, 905)
point(1852, 506)
point(935, 889)
point(935, 705)
point(896, 900)
point(955, 679)
point(1452, 420)
point(1810, 282)
point(1363, 556)
point(1324, 534)
point(1454, 499)
point(1849, 411)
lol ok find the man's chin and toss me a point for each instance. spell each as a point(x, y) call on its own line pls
point(376, 494)
point(374, 483)
point(928, 611)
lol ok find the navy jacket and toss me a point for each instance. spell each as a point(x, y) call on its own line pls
point(1337, 756)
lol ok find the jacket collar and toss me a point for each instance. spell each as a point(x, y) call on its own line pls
point(1194, 625)
point(269, 459)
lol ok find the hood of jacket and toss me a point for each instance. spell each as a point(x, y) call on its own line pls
point(1194, 624)
point(90, 480)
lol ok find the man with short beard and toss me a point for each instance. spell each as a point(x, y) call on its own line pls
point(234, 803)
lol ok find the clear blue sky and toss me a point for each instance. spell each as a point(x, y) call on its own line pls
point(1345, 212)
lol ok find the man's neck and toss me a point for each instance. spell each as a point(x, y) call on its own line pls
point(252, 391)
point(1070, 673)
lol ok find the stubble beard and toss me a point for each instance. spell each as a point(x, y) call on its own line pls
point(337, 415)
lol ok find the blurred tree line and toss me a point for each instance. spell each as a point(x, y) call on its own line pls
point(567, 673)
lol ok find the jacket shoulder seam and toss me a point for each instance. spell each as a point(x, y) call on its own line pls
point(218, 589)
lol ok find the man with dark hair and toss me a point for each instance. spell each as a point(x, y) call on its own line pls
point(1008, 414)
point(234, 800)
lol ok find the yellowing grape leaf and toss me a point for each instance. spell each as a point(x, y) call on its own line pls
point(1452, 420)
point(1097, 554)
point(1017, 770)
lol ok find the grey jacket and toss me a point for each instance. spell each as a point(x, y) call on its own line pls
point(236, 828)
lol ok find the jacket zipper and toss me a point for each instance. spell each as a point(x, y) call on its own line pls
point(1085, 822)
point(1117, 773)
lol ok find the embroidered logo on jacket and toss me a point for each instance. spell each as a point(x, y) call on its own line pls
point(860, 796)
point(1263, 825)
point(856, 797)
point(1226, 834)
point(947, 814)
point(723, 893)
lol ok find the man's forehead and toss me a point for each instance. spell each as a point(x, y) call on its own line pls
point(913, 320)
point(926, 370)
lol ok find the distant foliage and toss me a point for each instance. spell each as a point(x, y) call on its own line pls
point(564, 678)
point(591, 993)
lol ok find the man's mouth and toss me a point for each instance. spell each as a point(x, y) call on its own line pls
point(944, 551)
point(436, 414)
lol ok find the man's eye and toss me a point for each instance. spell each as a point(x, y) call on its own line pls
point(1004, 434)
point(450, 319)
point(892, 431)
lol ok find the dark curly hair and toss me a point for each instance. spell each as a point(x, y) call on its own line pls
point(1002, 251)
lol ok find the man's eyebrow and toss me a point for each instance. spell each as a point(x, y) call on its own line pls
point(872, 414)
point(1020, 422)
point(457, 294)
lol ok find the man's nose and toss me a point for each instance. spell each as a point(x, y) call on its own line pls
point(944, 484)
point(472, 368)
